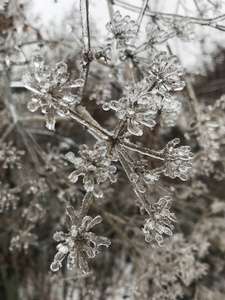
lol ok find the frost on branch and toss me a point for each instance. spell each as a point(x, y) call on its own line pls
point(52, 88)
point(141, 108)
point(78, 242)
point(94, 166)
point(160, 220)
point(122, 29)
point(10, 156)
point(177, 160)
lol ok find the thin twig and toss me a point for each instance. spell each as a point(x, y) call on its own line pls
point(141, 15)
point(7, 132)
point(84, 9)
point(143, 150)
point(194, 20)
point(88, 198)
point(91, 124)
point(124, 236)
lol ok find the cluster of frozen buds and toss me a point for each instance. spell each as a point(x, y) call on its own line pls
point(141, 176)
point(155, 35)
point(122, 29)
point(137, 171)
point(23, 240)
point(10, 156)
point(94, 165)
point(38, 187)
point(177, 160)
point(52, 88)
point(78, 242)
point(140, 108)
point(179, 27)
point(54, 159)
point(160, 220)
point(8, 197)
point(165, 73)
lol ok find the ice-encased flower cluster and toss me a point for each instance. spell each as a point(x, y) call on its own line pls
point(154, 35)
point(137, 171)
point(164, 29)
point(140, 108)
point(8, 197)
point(23, 240)
point(78, 242)
point(52, 88)
point(165, 73)
point(179, 27)
point(177, 160)
point(122, 29)
point(94, 165)
point(10, 156)
point(142, 176)
point(160, 220)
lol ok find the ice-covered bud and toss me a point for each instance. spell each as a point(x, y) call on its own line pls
point(177, 160)
point(10, 156)
point(160, 220)
point(123, 30)
point(8, 197)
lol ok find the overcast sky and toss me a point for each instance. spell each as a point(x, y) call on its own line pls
point(51, 12)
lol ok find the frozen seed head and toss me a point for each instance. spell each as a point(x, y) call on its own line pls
point(165, 73)
point(52, 89)
point(94, 166)
point(177, 160)
point(141, 108)
point(123, 30)
point(160, 220)
point(78, 245)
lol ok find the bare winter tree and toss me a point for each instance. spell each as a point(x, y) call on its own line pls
point(113, 140)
